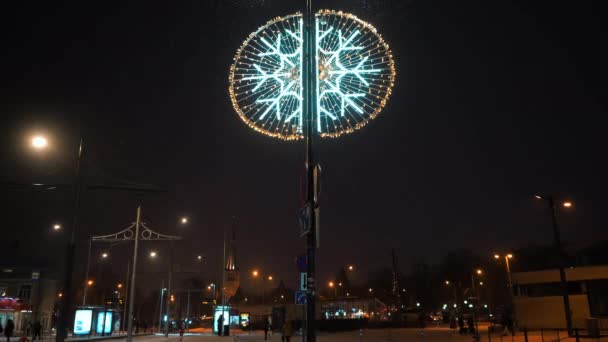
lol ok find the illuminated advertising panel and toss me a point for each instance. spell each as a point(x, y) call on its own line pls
point(104, 322)
point(82, 321)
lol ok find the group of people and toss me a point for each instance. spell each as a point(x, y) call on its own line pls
point(33, 330)
point(287, 330)
point(8, 329)
point(462, 330)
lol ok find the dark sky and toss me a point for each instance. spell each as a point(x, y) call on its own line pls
point(494, 101)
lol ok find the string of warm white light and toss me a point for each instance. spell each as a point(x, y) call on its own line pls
point(355, 73)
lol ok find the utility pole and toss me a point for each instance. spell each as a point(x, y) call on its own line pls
point(562, 274)
point(66, 303)
point(309, 110)
point(132, 289)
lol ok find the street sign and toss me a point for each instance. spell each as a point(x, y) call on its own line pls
point(301, 263)
point(303, 281)
point(301, 297)
point(304, 219)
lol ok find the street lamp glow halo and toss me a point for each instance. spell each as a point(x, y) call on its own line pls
point(355, 74)
point(39, 142)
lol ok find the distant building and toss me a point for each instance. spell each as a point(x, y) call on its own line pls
point(538, 301)
point(232, 279)
point(27, 294)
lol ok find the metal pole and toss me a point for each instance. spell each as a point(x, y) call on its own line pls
point(562, 273)
point(310, 88)
point(188, 312)
point(126, 299)
point(474, 290)
point(86, 275)
point(169, 291)
point(160, 309)
point(133, 273)
point(62, 324)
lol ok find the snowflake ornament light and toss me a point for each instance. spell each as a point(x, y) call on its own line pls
point(354, 69)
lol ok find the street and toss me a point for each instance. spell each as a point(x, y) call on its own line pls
point(376, 335)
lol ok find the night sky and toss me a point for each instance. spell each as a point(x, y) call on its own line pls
point(494, 101)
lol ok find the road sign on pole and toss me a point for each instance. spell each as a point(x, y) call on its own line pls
point(303, 281)
point(301, 297)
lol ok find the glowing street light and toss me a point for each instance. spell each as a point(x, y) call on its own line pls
point(447, 282)
point(90, 282)
point(351, 267)
point(153, 254)
point(331, 284)
point(199, 257)
point(56, 226)
point(119, 285)
point(270, 278)
point(104, 255)
point(39, 142)
point(479, 271)
point(255, 273)
point(549, 200)
point(184, 220)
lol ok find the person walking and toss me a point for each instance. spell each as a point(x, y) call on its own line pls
point(287, 331)
point(266, 328)
point(37, 330)
point(461, 329)
point(471, 325)
point(181, 334)
point(220, 324)
point(8, 329)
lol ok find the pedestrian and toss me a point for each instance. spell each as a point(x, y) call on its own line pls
point(220, 324)
point(266, 328)
point(28, 328)
point(287, 330)
point(8, 329)
point(461, 329)
point(181, 334)
point(37, 330)
point(470, 325)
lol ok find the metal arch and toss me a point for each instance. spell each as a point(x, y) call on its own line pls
point(149, 234)
point(129, 234)
point(125, 234)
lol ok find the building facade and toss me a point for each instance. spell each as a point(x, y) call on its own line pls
point(538, 300)
point(27, 295)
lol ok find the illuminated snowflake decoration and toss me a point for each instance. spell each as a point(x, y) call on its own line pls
point(354, 68)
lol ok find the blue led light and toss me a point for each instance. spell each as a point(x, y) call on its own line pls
point(354, 70)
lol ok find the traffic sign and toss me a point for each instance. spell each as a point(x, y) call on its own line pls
point(301, 263)
point(303, 281)
point(301, 297)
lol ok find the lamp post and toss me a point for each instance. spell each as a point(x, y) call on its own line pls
point(475, 292)
point(508, 257)
point(561, 256)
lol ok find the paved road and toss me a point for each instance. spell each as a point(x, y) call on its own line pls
point(383, 335)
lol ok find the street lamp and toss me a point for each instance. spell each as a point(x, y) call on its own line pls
point(104, 255)
point(153, 254)
point(90, 282)
point(475, 292)
point(39, 142)
point(332, 285)
point(561, 256)
point(184, 220)
point(255, 273)
point(56, 227)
